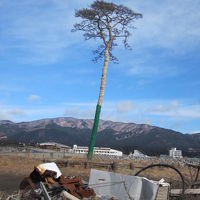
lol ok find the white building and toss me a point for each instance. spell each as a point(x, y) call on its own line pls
point(174, 153)
point(137, 154)
point(97, 151)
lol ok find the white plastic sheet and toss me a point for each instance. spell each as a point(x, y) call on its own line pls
point(49, 166)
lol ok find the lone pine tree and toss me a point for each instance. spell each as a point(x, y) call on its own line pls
point(109, 23)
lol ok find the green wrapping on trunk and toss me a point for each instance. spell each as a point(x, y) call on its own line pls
point(94, 132)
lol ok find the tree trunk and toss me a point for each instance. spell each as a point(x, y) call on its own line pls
point(99, 104)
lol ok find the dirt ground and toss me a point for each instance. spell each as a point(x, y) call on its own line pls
point(9, 182)
point(13, 169)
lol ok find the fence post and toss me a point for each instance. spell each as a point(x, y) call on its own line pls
point(113, 166)
point(85, 164)
point(131, 166)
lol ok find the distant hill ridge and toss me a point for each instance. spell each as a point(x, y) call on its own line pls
point(78, 123)
point(120, 135)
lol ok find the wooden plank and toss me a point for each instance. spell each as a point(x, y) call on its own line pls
point(67, 196)
point(187, 191)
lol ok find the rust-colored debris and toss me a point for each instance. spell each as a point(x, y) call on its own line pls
point(30, 186)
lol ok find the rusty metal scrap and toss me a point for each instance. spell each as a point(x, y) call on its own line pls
point(30, 186)
point(74, 186)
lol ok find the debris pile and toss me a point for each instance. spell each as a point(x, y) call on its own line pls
point(47, 181)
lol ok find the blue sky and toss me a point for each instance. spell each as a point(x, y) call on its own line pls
point(46, 71)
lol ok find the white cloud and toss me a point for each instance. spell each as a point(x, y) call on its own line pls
point(80, 104)
point(72, 111)
point(174, 104)
point(125, 106)
point(147, 121)
point(168, 24)
point(147, 67)
point(191, 112)
point(11, 112)
point(80, 110)
point(194, 132)
point(174, 110)
point(4, 116)
point(144, 70)
point(33, 98)
point(164, 108)
point(88, 113)
point(16, 112)
point(142, 110)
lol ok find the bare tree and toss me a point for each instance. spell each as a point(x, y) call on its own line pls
point(109, 23)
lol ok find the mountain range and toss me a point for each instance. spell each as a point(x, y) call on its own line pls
point(119, 135)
